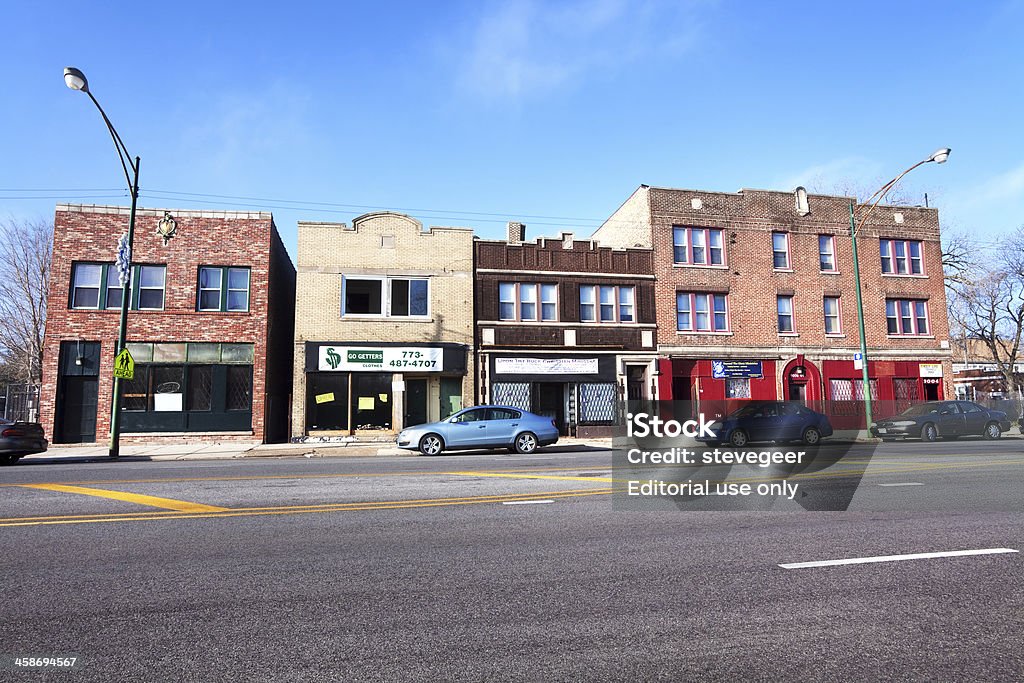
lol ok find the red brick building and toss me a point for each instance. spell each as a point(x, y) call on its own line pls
point(210, 327)
point(756, 297)
point(565, 328)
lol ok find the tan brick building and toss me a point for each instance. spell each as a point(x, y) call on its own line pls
point(209, 326)
point(384, 325)
point(756, 295)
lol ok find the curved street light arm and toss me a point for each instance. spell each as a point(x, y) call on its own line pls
point(122, 150)
point(880, 194)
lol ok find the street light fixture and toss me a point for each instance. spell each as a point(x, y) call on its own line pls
point(76, 80)
point(938, 157)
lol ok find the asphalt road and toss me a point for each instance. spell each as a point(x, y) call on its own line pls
point(502, 567)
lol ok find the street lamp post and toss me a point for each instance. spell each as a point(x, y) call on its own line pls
point(873, 201)
point(76, 80)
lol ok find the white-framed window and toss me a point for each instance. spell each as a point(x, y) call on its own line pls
point(392, 297)
point(223, 288)
point(827, 253)
point(780, 250)
point(833, 320)
point(526, 300)
point(607, 304)
point(97, 286)
point(702, 312)
point(697, 246)
point(906, 317)
point(901, 257)
point(785, 313)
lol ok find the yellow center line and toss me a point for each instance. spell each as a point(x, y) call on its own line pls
point(530, 476)
point(151, 501)
point(298, 509)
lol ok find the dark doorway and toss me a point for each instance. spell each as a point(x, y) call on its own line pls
point(415, 402)
point(931, 392)
point(76, 417)
point(549, 401)
point(797, 391)
point(635, 381)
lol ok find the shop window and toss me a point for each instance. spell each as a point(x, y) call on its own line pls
point(737, 387)
point(371, 400)
point(598, 403)
point(239, 396)
point(135, 391)
point(200, 387)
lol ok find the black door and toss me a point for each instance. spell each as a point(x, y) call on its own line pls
point(548, 401)
point(415, 402)
point(76, 416)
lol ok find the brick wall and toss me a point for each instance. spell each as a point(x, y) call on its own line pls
point(215, 238)
point(381, 244)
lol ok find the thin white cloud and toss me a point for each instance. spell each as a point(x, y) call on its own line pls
point(525, 47)
point(843, 176)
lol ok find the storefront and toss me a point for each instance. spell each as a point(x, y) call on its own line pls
point(580, 393)
point(717, 381)
point(361, 387)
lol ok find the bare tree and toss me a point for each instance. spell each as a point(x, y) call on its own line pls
point(26, 251)
point(958, 259)
point(990, 307)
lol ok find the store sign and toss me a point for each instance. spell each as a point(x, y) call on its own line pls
point(386, 359)
point(544, 366)
point(931, 369)
point(735, 369)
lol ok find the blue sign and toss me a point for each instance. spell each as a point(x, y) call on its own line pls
point(736, 369)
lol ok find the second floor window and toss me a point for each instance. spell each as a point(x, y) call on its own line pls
point(906, 317)
point(96, 286)
point(697, 246)
point(525, 300)
point(394, 297)
point(833, 324)
point(785, 306)
point(699, 312)
point(901, 257)
point(223, 289)
point(827, 253)
point(780, 251)
point(607, 304)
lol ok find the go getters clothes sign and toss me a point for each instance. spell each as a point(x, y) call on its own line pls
point(383, 359)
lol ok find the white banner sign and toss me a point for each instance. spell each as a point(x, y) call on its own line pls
point(544, 366)
point(381, 359)
point(930, 369)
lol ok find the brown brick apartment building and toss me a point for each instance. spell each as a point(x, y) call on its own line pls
point(756, 296)
point(565, 328)
point(210, 327)
point(384, 326)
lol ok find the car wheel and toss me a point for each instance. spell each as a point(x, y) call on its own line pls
point(738, 438)
point(992, 431)
point(929, 433)
point(526, 443)
point(812, 437)
point(431, 444)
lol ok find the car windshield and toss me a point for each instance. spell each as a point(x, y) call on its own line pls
point(747, 410)
point(921, 409)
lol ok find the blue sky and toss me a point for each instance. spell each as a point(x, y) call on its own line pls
point(476, 113)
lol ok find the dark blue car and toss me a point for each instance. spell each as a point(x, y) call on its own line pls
point(770, 421)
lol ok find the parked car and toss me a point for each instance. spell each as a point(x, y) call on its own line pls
point(20, 438)
point(770, 421)
point(482, 427)
point(942, 419)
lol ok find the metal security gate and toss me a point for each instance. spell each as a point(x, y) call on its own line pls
point(21, 403)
